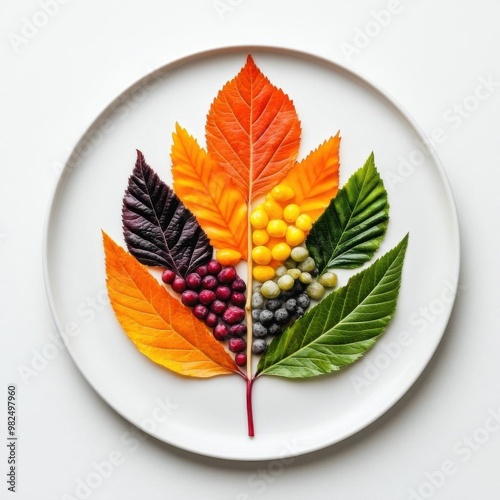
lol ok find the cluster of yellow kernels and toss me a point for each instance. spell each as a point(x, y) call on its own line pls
point(278, 227)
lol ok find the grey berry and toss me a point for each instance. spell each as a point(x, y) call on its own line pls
point(299, 312)
point(257, 300)
point(259, 346)
point(303, 301)
point(274, 329)
point(266, 317)
point(259, 330)
point(291, 305)
point(281, 315)
point(256, 314)
point(273, 304)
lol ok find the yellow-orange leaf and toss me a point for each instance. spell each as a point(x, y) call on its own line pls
point(315, 180)
point(253, 131)
point(206, 190)
point(159, 325)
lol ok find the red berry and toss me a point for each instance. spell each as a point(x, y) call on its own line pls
point(189, 298)
point(168, 276)
point(200, 311)
point(233, 315)
point(221, 331)
point(241, 359)
point(239, 285)
point(237, 344)
point(193, 281)
point(209, 282)
point(206, 297)
point(227, 275)
point(218, 307)
point(238, 299)
point(213, 267)
point(202, 271)
point(238, 330)
point(223, 293)
point(179, 284)
point(211, 320)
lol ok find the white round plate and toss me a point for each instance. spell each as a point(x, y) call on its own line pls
point(209, 416)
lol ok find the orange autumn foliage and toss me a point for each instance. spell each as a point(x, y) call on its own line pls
point(207, 190)
point(158, 324)
point(315, 179)
point(253, 131)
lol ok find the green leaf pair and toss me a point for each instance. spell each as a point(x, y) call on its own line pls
point(346, 323)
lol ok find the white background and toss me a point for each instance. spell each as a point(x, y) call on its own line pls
point(56, 78)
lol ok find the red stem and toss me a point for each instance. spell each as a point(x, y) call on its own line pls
point(249, 407)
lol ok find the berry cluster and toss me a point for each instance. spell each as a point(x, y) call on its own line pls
point(278, 302)
point(217, 296)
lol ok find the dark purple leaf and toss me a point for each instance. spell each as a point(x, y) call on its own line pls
point(158, 229)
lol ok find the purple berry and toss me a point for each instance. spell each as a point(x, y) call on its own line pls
point(213, 267)
point(209, 282)
point(179, 284)
point(233, 315)
point(221, 331)
point(202, 271)
point(239, 285)
point(200, 311)
point(223, 293)
point(227, 275)
point(193, 281)
point(237, 344)
point(211, 320)
point(238, 330)
point(189, 298)
point(218, 307)
point(238, 299)
point(206, 297)
point(168, 276)
point(240, 359)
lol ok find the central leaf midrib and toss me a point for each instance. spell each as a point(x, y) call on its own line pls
point(158, 218)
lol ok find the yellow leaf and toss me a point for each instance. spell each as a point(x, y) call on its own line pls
point(315, 180)
point(160, 326)
point(207, 190)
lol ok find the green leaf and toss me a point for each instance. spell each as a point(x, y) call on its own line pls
point(352, 227)
point(343, 326)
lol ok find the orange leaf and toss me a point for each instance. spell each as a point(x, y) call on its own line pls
point(206, 190)
point(253, 131)
point(159, 325)
point(315, 179)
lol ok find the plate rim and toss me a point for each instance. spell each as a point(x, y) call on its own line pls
point(314, 58)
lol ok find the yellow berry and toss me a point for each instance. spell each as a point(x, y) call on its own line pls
point(273, 209)
point(294, 236)
point(228, 256)
point(260, 237)
point(276, 228)
point(263, 273)
point(259, 219)
point(281, 251)
point(261, 255)
point(281, 192)
point(291, 212)
point(304, 222)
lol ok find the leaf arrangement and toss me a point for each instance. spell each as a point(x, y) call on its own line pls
point(247, 200)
